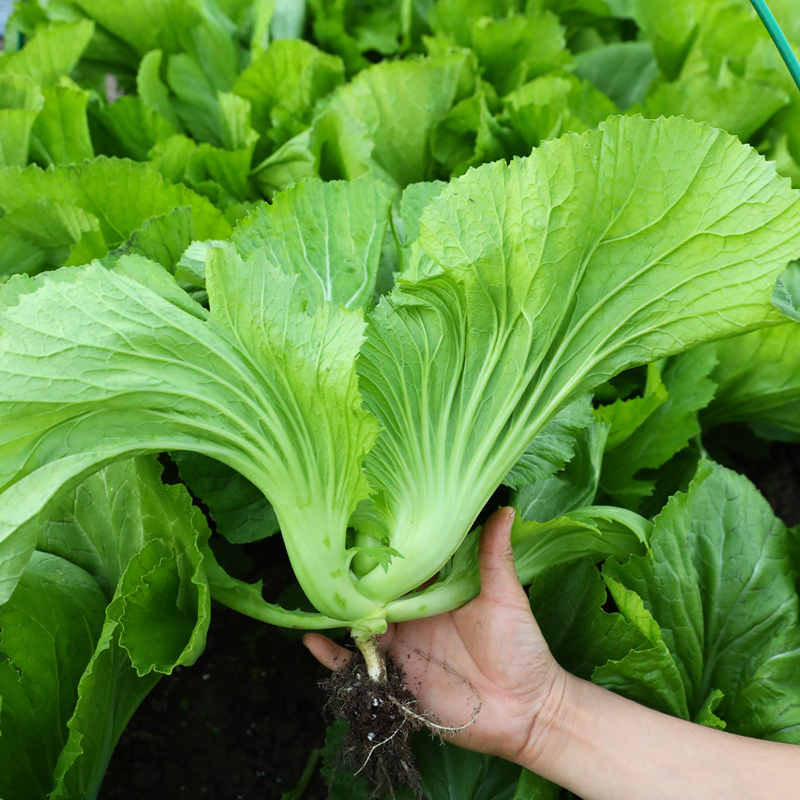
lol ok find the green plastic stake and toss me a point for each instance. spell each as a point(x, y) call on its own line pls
point(774, 30)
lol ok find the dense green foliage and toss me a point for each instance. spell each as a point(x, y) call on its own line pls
point(356, 268)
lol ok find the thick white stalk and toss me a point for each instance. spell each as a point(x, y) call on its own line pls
point(375, 660)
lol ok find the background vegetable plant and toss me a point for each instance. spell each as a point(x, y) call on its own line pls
point(221, 109)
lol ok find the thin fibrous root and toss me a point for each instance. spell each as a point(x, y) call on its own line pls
point(380, 744)
point(429, 723)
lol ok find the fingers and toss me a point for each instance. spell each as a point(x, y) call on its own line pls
point(328, 653)
point(496, 557)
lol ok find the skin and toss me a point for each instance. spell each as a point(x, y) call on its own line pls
point(531, 711)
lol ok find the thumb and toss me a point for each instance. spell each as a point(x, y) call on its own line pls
point(496, 558)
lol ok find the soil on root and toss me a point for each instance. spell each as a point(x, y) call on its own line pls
point(378, 725)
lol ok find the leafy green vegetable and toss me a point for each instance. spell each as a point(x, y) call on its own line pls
point(731, 644)
point(758, 377)
point(75, 213)
point(80, 654)
point(268, 385)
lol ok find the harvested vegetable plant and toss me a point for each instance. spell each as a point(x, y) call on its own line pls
point(541, 253)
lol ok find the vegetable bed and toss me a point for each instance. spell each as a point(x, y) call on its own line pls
point(293, 295)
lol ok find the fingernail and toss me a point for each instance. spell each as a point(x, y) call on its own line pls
point(511, 514)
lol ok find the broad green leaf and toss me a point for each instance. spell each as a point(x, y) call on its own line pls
point(51, 229)
point(663, 433)
point(51, 54)
point(553, 447)
point(240, 511)
point(61, 131)
point(573, 487)
point(669, 28)
point(624, 417)
point(758, 377)
point(113, 198)
point(49, 630)
point(513, 51)
point(21, 101)
point(132, 128)
point(199, 105)
point(260, 385)
point(453, 18)
point(553, 105)
point(649, 675)
point(108, 526)
point(405, 225)
point(448, 772)
point(463, 369)
point(397, 105)
point(227, 169)
point(153, 91)
point(534, 787)
point(329, 234)
point(721, 550)
point(162, 239)
point(284, 84)
point(567, 601)
point(624, 71)
point(171, 157)
point(738, 105)
point(145, 25)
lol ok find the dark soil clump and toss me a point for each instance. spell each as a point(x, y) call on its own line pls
point(376, 743)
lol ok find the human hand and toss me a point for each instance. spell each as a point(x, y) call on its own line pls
point(489, 654)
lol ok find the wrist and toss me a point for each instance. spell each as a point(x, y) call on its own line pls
point(551, 724)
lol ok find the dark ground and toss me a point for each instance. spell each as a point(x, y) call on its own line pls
point(241, 723)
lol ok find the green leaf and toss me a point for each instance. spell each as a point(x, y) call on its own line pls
point(108, 198)
point(553, 447)
point(624, 416)
point(624, 71)
point(109, 526)
point(50, 229)
point(217, 117)
point(153, 91)
point(51, 54)
point(448, 772)
point(513, 51)
point(649, 675)
point(260, 385)
point(663, 433)
point(61, 131)
point(573, 487)
point(738, 105)
point(463, 369)
point(552, 105)
point(21, 100)
point(398, 105)
point(736, 630)
point(534, 787)
point(133, 128)
point(758, 378)
point(241, 512)
point(405, 226)
point(284, 84)
point(162, 239)
point(329, 234)
point(567, 601)
point(49, 629)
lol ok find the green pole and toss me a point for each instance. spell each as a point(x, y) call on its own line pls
point(774, 30)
